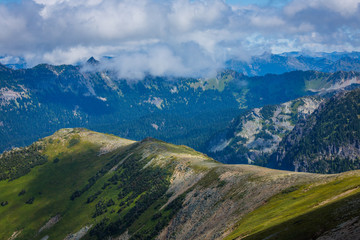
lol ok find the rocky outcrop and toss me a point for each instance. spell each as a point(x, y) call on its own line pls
point(328, 141)
point(253, 136)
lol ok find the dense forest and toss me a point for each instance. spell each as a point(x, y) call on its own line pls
point(38, 101)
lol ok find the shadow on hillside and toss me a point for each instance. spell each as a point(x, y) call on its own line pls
point(315, 223)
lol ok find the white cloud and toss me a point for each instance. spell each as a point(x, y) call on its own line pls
point(172, 37)
point(344, 7)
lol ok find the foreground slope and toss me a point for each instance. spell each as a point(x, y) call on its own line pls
point(81, 184)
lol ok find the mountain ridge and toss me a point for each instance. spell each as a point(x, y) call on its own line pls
point(152, 189)
point(38, 101)
point(268, 63)
point(312, 134)
point(254, 135)
point(330, 136)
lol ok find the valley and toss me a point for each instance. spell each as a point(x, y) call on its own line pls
point(36, 102)
point(81, 184)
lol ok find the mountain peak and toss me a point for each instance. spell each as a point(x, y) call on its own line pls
point(92, 61)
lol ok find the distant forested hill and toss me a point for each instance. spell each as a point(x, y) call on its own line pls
point(36, 102)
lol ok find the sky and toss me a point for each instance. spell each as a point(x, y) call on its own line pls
point(173, 37)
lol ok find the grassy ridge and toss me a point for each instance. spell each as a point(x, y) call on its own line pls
point(122, 189)
point(295, 203)
point(314, 223)
point(50, 187)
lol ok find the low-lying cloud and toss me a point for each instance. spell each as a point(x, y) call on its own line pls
point(172, 37)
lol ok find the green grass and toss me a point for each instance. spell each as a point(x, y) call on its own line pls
point(211, 178)
point(139, 192)
point(314, 223)
point(50, 185)
point(291, 204)
point(315, 84)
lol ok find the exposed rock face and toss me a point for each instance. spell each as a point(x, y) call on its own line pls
point(327, 141)
point(253, 136)
point(78, 235)
point(209, 211)
point(50, 223)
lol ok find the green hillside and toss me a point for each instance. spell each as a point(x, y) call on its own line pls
point(82, 184)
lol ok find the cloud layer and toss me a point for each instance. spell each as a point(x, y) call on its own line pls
point(172, 37)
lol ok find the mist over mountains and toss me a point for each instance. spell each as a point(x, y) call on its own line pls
point(259, 65)
point(177, 37)
point(40, 100)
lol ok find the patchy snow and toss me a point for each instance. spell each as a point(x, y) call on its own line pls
point(158, 102)
point(75, 111)
point(174, 90)
point(155, 126)
point(102, 99)
point(7, 95)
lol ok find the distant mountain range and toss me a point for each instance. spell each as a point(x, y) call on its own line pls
point(35, 102)
point(260, 65)
point(280, 63)
point(13, 62)
point(79, 184)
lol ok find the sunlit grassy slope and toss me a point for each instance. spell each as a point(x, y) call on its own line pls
point(52, 184)
point(78, 158)
point(302, 212)
point(96, 185)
